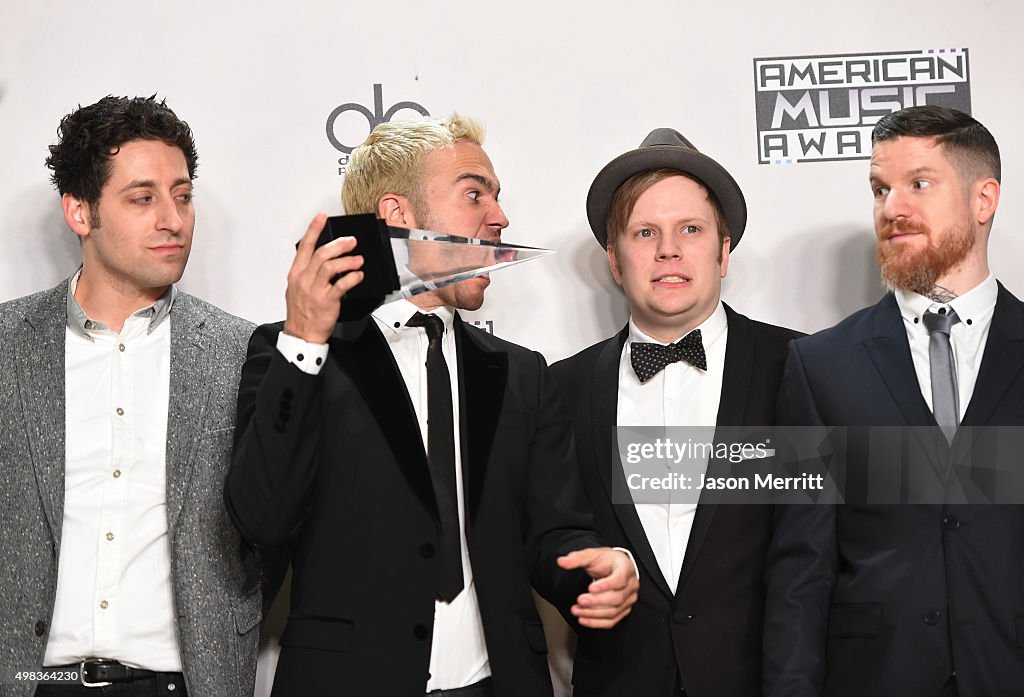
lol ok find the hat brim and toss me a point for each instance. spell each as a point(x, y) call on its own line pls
point(688, 161)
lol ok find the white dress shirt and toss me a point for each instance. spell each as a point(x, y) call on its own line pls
point(679, 395)
point(114, 594)
point(968, 337)
point(458, 652)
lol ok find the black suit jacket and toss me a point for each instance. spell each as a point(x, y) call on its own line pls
point(891, 599)
point(706, 635)
point(335, 465)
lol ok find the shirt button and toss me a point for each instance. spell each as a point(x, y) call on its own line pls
point(932, 617)
point(110, 537)
point(951, 522)
point(171, 687)
point(104, 604)
point(120, 347)
point(120, 411)
point(117, 473)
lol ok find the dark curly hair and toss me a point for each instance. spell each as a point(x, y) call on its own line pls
point(90, 136)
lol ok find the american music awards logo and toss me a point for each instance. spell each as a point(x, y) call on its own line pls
point(822, 108)
point(349, 124)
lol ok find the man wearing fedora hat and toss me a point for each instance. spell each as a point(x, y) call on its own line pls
point(669, 217)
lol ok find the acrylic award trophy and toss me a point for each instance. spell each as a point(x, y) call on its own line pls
point(402, 263)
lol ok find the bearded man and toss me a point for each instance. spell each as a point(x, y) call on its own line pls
point(924, 597)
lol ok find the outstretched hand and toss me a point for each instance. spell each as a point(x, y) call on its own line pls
point(611, 594)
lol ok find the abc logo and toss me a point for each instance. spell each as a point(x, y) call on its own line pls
point(350, 124)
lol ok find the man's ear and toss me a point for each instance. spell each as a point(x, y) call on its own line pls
point(395, 210)
point(985, 199)
point(613, 264)
point(76, 214)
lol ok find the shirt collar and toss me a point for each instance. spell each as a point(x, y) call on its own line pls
point(79, 323)
point(711, 329)
point(974, 303)
point(393, 316)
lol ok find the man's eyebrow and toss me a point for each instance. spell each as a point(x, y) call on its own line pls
point(686, 219)
point(150, 184)
point(487, 183)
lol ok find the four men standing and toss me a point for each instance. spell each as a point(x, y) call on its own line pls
point(423, 472)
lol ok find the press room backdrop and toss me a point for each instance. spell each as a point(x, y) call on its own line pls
point(783, 94)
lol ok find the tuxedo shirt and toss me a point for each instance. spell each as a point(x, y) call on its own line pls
point(458, 654)
point(679, 395)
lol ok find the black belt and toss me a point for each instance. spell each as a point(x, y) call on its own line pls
point(100, 672)
point(484, 688)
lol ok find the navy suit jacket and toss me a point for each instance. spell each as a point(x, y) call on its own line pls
point(891, 599)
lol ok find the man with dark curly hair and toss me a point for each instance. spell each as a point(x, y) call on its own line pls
point(119, 563)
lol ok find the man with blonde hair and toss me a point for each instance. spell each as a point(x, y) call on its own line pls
point(421, 469)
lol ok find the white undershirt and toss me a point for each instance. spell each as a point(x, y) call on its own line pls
point(114, 593)
point(968, 337)
point(679, 395)
point(458, 652)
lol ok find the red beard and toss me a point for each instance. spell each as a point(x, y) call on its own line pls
point(915, 269)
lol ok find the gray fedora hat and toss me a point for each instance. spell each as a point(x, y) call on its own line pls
point(666, 148)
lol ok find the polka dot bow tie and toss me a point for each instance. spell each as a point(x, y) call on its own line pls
point(650, 359)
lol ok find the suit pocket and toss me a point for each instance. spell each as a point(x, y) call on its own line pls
point(249, 611)
point(247, 614)
point(855, 620)
point(321, 633)
point(535, 635)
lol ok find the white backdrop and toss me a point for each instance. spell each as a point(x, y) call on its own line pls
point(562, 87)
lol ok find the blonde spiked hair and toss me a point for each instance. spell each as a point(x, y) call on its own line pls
point(389, 162)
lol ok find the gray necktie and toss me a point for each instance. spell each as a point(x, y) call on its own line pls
point(945, 396)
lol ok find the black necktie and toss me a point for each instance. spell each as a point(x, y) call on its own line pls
point(441, 456)
point(650, 359)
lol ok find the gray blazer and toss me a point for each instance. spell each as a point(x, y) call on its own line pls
point(216, 578)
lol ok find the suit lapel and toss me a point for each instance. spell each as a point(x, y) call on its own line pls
point(739, 367)
point(187, 399)
point(889, 349)
point(1000, 366)
point(482, 378)
point(42, 386)
point(1003, 359)
point(605, 400)
point(368, 361)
